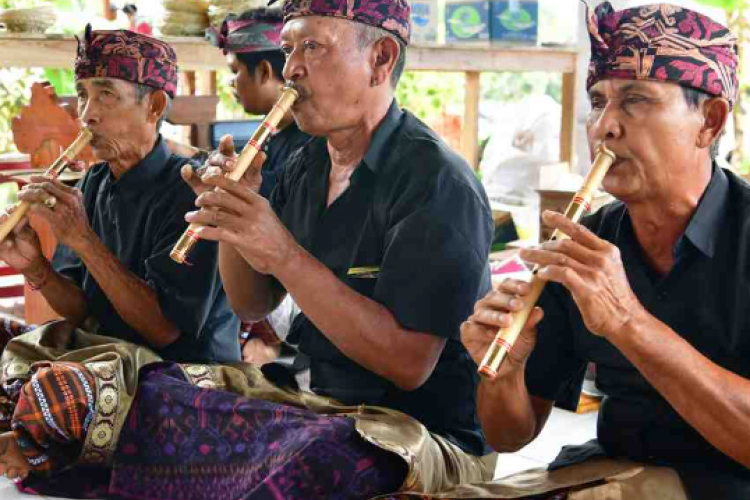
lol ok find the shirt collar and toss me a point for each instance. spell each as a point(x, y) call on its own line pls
point(148, 169)
point(377, 150)
point(703, 229)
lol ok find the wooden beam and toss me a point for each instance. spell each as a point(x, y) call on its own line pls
point(193, 53)
point(568, 127)
point(470, 132)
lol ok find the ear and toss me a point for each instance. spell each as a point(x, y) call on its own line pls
point(715, 115)
point(385, 53)
point(264, 71)
point(157, 105)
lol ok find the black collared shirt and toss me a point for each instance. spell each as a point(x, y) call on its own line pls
point(279, 148)
point(412, 232)
point(139, 218)
point(704, 299)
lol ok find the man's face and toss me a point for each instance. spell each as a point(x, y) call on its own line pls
point(330, 71)
point(118, 121)
point(248, 89)
point(653, 132)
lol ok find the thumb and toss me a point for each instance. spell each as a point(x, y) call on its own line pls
point(226, 145)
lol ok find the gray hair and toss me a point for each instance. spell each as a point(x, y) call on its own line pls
point(694, 98)
point(367, 35)
point(141, 91)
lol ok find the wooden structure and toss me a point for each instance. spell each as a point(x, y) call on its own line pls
point(198, 59)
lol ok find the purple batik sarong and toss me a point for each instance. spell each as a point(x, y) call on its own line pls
point(181, 442)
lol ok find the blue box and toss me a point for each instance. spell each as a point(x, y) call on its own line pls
point(467, 21)
point(424, 21)
point(514, 21)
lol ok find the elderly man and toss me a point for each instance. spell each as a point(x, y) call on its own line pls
point(112, 274)
point(652, 288)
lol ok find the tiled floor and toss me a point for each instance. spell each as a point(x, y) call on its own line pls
point(562, 428)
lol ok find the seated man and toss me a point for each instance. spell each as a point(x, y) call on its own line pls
point(112, 274)
point(250, 43)
point(652, 288)
point(381, 234)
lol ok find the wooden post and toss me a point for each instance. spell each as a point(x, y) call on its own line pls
point(107, 12)
point(470, 134)
point(568, 130)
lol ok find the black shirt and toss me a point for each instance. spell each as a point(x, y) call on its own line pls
point(704, 299)
point(412, 232)
point(279, 148)
point(139, 218)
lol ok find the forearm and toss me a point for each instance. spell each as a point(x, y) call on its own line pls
point(507, 414)
point(364, 330)
point(63, 296)
point(133, 299)
point(714, 401)
point(252, 295)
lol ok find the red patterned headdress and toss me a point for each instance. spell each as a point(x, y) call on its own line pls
point(665, 43)
point(127, 56)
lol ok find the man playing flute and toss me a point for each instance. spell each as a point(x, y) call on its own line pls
point(112, 274)
point(652, 288)
point(381, 234)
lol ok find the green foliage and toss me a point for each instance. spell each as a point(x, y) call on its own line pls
point(727, 5)
point(429, 94)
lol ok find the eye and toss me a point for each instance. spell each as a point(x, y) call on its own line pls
point(311, 45)
point(286, 50)
point(634, 99)
point(598, 103)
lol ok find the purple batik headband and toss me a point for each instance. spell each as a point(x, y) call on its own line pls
point(249, 32)
point(128, 56)
point(665, 43)
point(393, 16)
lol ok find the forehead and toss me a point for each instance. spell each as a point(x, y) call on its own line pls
point(315, 26)
point(114, 84)
point(617, 86)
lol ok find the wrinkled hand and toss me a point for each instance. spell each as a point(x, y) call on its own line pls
point(491, 314)
point(237, 215)
point(221, 161)
point(21, 249)
point(592, 270)
point(67, 219)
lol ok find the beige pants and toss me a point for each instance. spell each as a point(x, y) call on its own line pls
point(598, 479)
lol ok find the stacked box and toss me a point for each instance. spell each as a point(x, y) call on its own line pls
point(424, 21)
point(467, 21)
point(514, 21)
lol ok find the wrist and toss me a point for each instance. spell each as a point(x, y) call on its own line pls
point(82, 244)
point(37, 276)
point(291, 264)
point(631, 327)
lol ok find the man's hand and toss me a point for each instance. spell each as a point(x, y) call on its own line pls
point(235, 214)
point(494, 312)
point(62, 207)
point(21, 249)
point(592, 270)
point(224, 160)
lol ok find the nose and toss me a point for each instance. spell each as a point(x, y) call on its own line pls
point(607, 125)
point(88, 114)
point(294, 68)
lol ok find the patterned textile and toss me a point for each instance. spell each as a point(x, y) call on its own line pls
point(127, 56)
point(10, 329)
point(664, 43)
point(259, 30)
point(212, 444)
point(56, 406)
point(393, 16)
